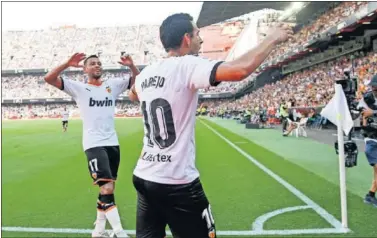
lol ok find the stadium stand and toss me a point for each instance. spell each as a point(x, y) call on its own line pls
point(306, 83)
point(32, 86)
point(55, 110)
point(304, 89)
point(49, 47)
point(28, 55)
point(323, 23)
point(44, 49)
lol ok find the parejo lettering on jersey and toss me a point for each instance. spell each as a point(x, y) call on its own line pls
point(156, 82)
point(168, 94)
point(97, 109)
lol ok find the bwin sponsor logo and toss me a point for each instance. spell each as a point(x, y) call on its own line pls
point(100, 103)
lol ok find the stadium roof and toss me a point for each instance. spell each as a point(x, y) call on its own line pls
point(215, 12)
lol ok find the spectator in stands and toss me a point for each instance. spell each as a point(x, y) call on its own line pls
point(314, 118)
point(283, 111)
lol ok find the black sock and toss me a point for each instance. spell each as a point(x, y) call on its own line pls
point(107, 201)
point(372, 194)
point(99, 205)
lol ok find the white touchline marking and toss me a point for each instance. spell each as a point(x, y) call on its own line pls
point(221, 233)
point(258, 223)
point(322, 212)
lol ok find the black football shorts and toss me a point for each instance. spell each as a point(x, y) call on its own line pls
point(103, 163)
point(185, 208)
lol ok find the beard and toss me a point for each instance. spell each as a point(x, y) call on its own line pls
point(97, 76)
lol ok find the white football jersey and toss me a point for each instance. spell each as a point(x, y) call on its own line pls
point(65, 116)
point(97, 109)
point(168, 94)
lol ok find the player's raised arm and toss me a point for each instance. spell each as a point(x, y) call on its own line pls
point(247, 63)
point(202, 73)
point(127, 61)
point(52, 77)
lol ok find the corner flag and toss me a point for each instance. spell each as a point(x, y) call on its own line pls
point(337, 112)
point(337, 108)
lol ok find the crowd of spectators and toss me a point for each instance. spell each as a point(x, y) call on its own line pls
point(28, 86)
point(55, 110)
point(329, 19)
point(312, 87)
point(45, 49)
point(309, 88)
point(320, 25)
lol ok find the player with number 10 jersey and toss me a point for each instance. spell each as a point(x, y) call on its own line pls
point(166, 178)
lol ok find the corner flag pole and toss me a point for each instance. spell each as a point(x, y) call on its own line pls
point(342, 170)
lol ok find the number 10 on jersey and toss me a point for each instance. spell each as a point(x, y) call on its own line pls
point(161, 119)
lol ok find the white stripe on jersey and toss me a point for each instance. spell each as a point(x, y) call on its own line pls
point(168, 94)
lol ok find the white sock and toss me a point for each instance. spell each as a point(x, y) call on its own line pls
point(112, 216)
point(100, 222)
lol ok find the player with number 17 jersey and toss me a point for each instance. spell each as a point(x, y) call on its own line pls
point(96, 102)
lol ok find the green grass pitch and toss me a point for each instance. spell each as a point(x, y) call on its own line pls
point(46, 184)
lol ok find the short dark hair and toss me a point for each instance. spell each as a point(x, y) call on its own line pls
point(89, 57)
point(173, 29)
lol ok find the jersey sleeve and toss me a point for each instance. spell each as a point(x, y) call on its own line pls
point(200, 72)
point(119, 85)
point(71, 87)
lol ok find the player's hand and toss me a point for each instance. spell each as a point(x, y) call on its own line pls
point(367, 113)
point(75, 60)
point(126, 60)
point(280, 33)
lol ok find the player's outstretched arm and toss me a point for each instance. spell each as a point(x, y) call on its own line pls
point(52, 77)
point(247, 63)
point(128, 61)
